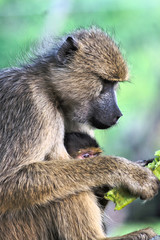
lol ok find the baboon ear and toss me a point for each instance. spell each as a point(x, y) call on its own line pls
point(68, 47)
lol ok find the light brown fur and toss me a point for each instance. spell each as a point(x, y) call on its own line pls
point(44, 194)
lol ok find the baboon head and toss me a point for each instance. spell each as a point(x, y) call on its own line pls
point(89, 66)
point(81, 145)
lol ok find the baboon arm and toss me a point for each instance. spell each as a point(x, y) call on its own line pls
point(40, 182)
point(143, 234)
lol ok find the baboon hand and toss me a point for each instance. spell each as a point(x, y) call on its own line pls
point(143, 234)
point(120, 172)
point(143, 183)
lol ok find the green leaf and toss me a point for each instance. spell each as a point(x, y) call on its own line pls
point(120, 196)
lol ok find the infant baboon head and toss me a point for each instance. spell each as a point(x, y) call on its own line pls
point(81, 145)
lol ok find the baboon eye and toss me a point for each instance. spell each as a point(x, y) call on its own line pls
point(102, 91)
point(104, 85)
point(103, 80)
point(86, 155)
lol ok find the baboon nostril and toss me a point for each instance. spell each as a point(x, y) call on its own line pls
point(120, 115)
point(117, 117)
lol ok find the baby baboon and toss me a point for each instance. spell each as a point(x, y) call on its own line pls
point(80, 146)
point(44, 194)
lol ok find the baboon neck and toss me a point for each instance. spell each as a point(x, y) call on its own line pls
point(78, 127)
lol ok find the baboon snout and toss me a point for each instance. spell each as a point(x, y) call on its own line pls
point(118, 115)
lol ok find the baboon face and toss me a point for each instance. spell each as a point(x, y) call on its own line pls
point(92, 66)
point(100, 112)
point(104, 110)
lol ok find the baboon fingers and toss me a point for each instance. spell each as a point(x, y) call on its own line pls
point(143, 234)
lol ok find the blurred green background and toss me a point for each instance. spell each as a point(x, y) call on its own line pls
point(135, 25)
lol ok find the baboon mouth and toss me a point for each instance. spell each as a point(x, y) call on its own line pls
point(97, 124)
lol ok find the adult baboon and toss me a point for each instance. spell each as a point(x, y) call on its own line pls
point(44, 194)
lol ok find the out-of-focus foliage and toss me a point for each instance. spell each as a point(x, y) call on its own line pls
point(135, 25)
point(21, 22)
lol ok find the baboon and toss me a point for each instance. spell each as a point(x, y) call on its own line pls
point(44, 193)
point(81, 146)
